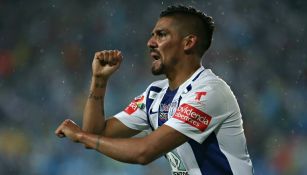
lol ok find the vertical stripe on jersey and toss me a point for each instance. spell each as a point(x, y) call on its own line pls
point(209, 157)
point(164, 106)
point(149, 102)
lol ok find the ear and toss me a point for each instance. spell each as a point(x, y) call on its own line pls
point(189, 42)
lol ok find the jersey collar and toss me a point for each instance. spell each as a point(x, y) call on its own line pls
point(187, 85)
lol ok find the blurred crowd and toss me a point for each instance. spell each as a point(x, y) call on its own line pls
point(46, 49)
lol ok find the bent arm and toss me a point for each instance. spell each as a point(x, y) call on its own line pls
point(104, 64)
point(136, 150)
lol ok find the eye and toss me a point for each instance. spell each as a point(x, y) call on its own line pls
point(161, 33)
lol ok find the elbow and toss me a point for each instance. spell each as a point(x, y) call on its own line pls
point(91, 130)
point(94, 128)
point(145, 156)
point(144, 160)
point(87, 129)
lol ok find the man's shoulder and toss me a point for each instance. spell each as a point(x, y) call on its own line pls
point(208, 81)
point(209, 78)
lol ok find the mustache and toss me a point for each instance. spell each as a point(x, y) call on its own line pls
point(152, 50)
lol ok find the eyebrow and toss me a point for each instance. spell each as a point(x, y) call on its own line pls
point(159, 30)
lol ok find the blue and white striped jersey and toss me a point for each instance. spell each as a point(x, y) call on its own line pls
point(205, 110)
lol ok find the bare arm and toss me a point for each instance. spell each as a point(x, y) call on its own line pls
point(104, 64)
point(130, 150)
point(109, 136)
point(93, 116)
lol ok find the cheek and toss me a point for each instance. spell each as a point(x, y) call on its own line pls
point(170, 53)
point(171, 49)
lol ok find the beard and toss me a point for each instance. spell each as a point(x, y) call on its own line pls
point(157, 68)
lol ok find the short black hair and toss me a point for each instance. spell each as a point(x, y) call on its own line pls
point(197, 23)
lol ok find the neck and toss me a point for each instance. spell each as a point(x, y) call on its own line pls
point(180, 75)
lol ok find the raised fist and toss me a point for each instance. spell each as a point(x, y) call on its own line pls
point(106, 62)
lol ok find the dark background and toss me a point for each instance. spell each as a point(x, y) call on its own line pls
point(46, 49)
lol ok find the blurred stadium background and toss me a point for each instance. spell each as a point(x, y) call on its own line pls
point(46, 49)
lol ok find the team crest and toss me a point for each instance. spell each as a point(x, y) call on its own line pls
point(172, 108)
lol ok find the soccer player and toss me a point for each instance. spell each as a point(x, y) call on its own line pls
point(193, 115)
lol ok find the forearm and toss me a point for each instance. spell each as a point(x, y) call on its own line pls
point(93, 116)
point(132, 150)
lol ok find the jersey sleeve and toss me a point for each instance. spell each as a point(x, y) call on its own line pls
point(200, 112)
point(134, 115)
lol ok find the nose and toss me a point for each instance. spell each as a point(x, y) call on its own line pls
point(151, 43)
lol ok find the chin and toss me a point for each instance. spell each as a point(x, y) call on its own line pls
point(158, 71)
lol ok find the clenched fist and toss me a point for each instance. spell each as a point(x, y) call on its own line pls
point(69, 129)
point(106, 62)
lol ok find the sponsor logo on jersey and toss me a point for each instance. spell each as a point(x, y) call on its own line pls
point(176, 163)
point(167, 110)
point(199, 95)
point(163, 117)
point(192, 116)
point(164, 107)
point(181, 173)
point(134, 105)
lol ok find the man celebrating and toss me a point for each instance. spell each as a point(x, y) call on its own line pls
point(194, 116)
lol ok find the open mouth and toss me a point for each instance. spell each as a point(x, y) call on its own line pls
point(155, 55)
